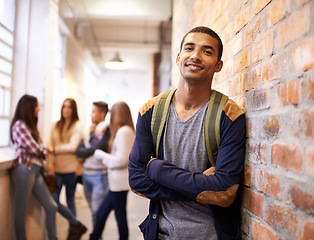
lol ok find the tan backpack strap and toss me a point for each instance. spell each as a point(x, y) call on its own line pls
point(159, 116)
point(212, 124)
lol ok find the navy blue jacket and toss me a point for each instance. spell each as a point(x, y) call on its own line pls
point(157, 179)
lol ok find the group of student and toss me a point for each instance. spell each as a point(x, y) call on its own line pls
point(187, 155)
point(103, 152)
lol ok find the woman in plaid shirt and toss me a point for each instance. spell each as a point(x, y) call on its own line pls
point(29, 153)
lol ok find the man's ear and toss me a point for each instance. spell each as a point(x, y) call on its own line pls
point(218, 66)
point(178, 59)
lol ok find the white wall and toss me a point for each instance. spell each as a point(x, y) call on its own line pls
point(133, 87)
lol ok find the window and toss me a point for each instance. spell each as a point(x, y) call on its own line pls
point(7, 16)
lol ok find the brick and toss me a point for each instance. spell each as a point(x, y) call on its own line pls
point(307, 231)
point(235, 45)
point(217, 79)
point(276, 12)
point(258, 152)
point(227, 33)
point(248, 176)
point(254, 134)
point(244, 81)
point(310, 89)
point(309, 162)
point(274, 68)
point(216, 12)
point(253, 30)
point(301, 199)
point(263, 48)
point(308, 119)
point(296, 26)
point(256, 77)
point(241, 101)
point(227, 69)
point(246, 225)
point(282, 92)
point(275, 215)
point(291, 222)
point(242, 19)
point(233, 8)
point(249, 130)
point(226, 4)
point(271, 126)
point(302, 55)
point(234, 86)
point(253, 202)
point(221, 24)
point(287, 157)
point(242, 60)
point(262, 232)
point(224, 87)
point(295, 91)
point(279, 216)
point(296, 125)
point(264, 149)
point(196, 12)
point(268, 183)
point(259, 5)
point(260, 99)
point(301, 2)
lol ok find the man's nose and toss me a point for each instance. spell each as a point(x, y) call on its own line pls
point(196, 55)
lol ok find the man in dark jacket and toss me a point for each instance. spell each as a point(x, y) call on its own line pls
point(190, 198)
point(95, 178)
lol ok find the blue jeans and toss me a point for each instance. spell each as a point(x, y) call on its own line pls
point(64, 211)
point(27, 182)
point(95, 189)
point(67, 179)
point(114, 201)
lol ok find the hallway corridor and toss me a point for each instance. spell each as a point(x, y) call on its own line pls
point(137, 209)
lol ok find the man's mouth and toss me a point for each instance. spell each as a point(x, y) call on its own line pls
point(194, 66)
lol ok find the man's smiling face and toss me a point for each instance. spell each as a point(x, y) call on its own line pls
point(198, 58)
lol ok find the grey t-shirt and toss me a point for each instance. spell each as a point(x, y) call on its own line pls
point(184, 146)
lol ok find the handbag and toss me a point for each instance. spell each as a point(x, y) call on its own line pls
point(50, 180)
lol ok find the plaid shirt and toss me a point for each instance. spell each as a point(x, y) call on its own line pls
point(26, 148)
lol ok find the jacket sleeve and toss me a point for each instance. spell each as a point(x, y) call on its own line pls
point(219, 188)
point(84, 152)
point(122, 145)
point(74, 142)
point(141, 153)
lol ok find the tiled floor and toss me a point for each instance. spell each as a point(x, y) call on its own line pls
point(137, 209)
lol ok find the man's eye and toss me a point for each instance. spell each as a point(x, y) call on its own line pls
point(208, 52)
point(188, 49)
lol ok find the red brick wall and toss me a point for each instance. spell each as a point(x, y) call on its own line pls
point(269, 71)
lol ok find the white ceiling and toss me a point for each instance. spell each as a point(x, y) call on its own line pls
point(132, 27)
point(124, 9)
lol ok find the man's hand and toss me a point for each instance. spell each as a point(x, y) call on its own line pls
point(52, 172)
point(210, 171)
point(99, 131)
point(92, 127)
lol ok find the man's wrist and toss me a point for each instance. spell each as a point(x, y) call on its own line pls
point(152, 168)
point(150, 161)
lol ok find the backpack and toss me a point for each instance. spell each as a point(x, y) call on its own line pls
point(212, 121)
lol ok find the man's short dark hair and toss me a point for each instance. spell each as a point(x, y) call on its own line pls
point(210, 32)
point(102, 106)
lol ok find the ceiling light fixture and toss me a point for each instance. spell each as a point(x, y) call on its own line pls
point(116, 63)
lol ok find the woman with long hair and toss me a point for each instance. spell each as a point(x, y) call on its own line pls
point(120, 144)
point(65, 138)
point(29, 153)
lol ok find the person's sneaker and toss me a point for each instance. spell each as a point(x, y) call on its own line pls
point(76, 231)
